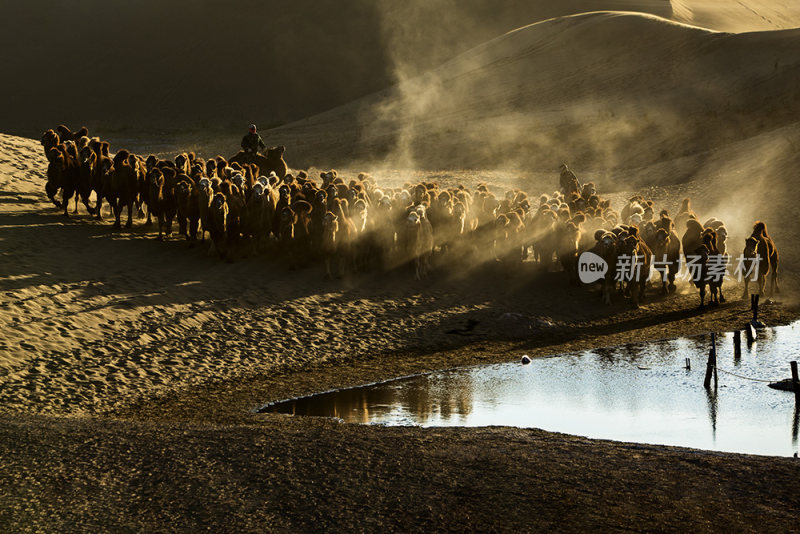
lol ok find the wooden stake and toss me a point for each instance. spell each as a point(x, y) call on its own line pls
point(756, 322)
point(755, 309)
point(795, 380)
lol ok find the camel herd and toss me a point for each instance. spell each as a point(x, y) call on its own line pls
point(253, 204)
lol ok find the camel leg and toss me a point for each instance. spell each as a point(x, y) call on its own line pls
point(65, 201)
point(52, 191)
point(130, 215)
point(634, 293)
point(89, 209)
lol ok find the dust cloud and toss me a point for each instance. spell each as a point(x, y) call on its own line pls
point(521, 102)
point(632, 102)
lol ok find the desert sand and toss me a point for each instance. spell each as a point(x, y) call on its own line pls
point(130, 367)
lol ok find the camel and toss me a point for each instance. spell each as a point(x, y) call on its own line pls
point(761, 255)
point(667, 255)
point(606, 248)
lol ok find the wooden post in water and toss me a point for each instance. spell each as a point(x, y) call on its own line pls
point(688, 364)
point(737, 344)
point(756, 322)
point(748, 330)
point(711, 366)
point(795, 381)
point(755, 308)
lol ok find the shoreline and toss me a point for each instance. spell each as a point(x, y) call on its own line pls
point(235, 400)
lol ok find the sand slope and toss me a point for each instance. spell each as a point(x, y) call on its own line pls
point(168, 67)
point(740, 16)
point(600, 90)
point(147, 66)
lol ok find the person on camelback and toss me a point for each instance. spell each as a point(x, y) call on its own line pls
point(252, 142)
point(568, 181)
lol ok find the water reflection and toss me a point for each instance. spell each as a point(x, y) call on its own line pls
point(640, 392)
point(429, 400)
point(711, 395)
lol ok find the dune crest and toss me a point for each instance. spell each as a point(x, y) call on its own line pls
point(738, 17)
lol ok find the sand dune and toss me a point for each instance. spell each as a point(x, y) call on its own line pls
point(155, 70)
point(667, 99)
point(601, 90)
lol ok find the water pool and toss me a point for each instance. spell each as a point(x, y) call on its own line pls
point(639, 392)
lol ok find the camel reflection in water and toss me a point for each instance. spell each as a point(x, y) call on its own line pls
point(425, 400)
